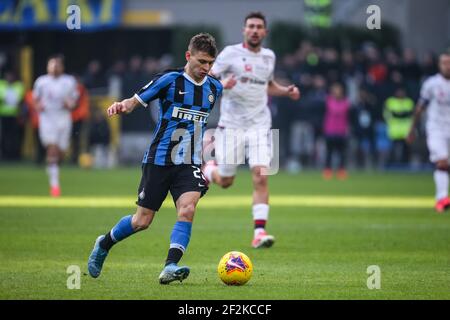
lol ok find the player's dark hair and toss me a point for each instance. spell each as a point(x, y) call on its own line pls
point(58, 56)
point(203, 42)
point(257, 15)
point(445, 52)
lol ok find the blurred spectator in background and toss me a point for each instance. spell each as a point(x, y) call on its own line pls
point(79, 116)
point(398, 114)
point(115, 79)
point(134, 77)
point(99, 138)
point(429, 65)
point(33, 117)
point(350, 75)
point(94, 79)
point(411, 73)
point(11, 96)
point(336, 130)
point(363, 120)
point(150, 68)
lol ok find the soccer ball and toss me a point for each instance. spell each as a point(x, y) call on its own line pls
point(235, 268)
point(85, 160)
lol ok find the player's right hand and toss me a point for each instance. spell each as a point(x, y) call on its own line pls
point(39, 107)
point(411, 137)
point(116, 108)
point(229, 82)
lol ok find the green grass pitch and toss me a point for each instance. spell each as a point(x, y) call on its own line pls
point(327, 234)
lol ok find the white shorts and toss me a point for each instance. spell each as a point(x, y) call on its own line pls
point(438, 144)
point(233, 146)
point(55, 132)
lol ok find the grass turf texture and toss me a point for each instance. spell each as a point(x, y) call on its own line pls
point(327, 234)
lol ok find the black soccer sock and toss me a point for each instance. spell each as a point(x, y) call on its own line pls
point(174, 256)
point(107, 242)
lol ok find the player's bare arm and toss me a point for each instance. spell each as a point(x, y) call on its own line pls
point(420, 107)
point(228, 83)
point(70, 104)
point(291, 91)
point(124, 106)
point(38, 105)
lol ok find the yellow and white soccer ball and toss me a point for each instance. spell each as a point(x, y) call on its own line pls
point(235, 268)
point(85, 160)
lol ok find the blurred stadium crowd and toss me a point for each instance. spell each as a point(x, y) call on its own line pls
point(380, 87)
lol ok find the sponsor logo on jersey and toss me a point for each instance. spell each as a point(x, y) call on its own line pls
point(252, 80)
point(187, 114)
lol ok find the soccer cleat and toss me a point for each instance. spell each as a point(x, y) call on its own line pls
point(173, 272)
point(55, 191)
point(96, 259)
point(342, 174)
point(442, 205)
point(263, 240)
point(327, 174)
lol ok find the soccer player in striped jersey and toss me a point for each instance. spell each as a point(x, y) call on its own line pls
point(435, 98)
point(172, 161)
point(246, 71)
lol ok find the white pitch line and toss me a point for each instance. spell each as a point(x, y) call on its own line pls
point(221, 202)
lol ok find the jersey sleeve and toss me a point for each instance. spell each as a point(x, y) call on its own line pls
point(271, 76)
point(222, 63)
point(219, 90)
point(426, 92)
point(37, 88)
point(73, 89)
point(153, 90)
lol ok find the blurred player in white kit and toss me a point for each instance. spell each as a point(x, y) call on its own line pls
point(55, 95)
point(246, 72)
point(435, 98)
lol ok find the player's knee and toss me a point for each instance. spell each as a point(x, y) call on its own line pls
point(142, 223)
point(52, 154)
point(442, 165)
point(142, 220)
point(259, 180)
point(186, 211)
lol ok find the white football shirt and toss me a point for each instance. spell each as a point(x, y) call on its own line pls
point(52, 91)
point(436, 91)
point(245, 105)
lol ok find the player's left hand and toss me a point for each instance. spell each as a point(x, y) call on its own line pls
point(293, 92)
point(68, 104)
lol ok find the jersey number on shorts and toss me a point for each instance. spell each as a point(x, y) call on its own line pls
point(198, 173)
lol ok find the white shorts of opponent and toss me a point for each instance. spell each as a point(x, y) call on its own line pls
point(56, 133)
point(438, 142)
point(234, 146)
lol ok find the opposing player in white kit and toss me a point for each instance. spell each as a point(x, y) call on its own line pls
point(55, 95)
point(246, 70)
point(435, 98)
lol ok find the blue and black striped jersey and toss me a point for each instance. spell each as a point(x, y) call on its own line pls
point(184, 107)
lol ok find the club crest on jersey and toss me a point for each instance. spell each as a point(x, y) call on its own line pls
point(211, 98)
point(142, 194)
point(248, 67)
point(187, 114)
